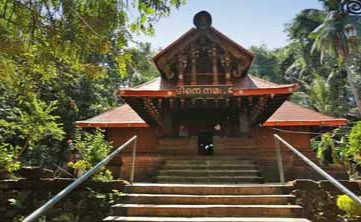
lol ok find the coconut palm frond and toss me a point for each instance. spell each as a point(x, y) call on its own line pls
point(320, 94)
point(330, 37)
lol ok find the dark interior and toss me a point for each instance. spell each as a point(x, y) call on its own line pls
point(205, 143)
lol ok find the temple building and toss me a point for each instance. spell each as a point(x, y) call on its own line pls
point(206, 106)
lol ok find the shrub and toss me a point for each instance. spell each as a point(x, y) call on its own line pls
point(91, 148)
point(347, 204)
point(355, 140)
point(8, 157)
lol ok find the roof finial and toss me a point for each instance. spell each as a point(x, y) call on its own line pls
point(202, 20)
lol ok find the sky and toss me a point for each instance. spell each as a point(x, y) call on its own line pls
point(249, 23)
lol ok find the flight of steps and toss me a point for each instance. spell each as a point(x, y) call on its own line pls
point(209, 170)
point(206, 203)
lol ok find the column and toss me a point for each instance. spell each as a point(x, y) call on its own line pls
point(226, 63)
point(194, 56)
point(182, 63)
point(213, 53)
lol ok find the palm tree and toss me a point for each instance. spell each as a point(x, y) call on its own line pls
point(337, 37)
point(320, 95)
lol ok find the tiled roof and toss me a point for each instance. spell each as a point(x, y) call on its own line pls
point(289, 114)
point(123, 116)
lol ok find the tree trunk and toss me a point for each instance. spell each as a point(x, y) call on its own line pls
point(353, 89)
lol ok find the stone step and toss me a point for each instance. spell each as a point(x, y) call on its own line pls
point(213, 157)
point(189, 189)
point(211, 167)
point(205, 172)
point(206, 210)
point(210, 161)
point(206, 199)
point(202, 219)
point(210, 179)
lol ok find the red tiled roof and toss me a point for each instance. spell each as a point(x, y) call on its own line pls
point(291, 114)
point(123, 116)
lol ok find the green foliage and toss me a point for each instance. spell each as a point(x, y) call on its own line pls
point(347, 204)
point(141, 69)
point(320, 95)
point(91, 148)
point(330, 37)
point(60, 62)
point(331, 40)
point(8, 157)
point(323, 87)
point(266, 64)
point(355, 140)
point(17, 203)
point(326, 150)
point(330, 5)
point(27, 129)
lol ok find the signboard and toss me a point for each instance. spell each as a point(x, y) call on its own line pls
point(205, 91)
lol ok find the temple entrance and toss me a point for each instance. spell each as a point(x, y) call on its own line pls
point(196, 122)
point(205, 143)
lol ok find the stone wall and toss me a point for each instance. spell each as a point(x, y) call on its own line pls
point(90, 202)
point(319, 199)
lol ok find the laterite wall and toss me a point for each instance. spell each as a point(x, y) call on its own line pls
point(153, 151)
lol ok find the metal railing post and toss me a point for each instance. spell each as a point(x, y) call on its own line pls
point(319, 170)
point(133, 161)
point(279, 161)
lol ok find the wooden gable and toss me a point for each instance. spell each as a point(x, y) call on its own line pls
point(203, 56)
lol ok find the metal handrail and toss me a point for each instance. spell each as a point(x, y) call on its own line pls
point(318, 169)
point(81, 179)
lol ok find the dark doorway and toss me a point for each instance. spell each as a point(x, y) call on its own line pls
point(205, 143)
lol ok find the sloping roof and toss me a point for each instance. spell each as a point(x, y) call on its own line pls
point(248, 82)
point(289, 114)
point(253, 82)
point(122, 116)
point(249, 85)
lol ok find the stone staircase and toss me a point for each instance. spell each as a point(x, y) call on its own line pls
point(209, 170)
point(206, 203)
point(207, 189)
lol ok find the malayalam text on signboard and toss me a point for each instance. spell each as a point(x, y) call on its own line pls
point(204, 91)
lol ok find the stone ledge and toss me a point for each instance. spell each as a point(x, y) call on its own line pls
point(59, 184)
point(306, 184)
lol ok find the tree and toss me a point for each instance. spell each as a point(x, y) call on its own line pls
point(92, 148)
point(68, 55)
point(331, 39)
point(141, 69)
point(320, 95)
point(265, 64)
